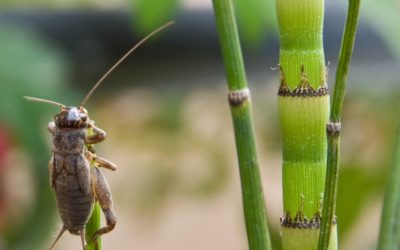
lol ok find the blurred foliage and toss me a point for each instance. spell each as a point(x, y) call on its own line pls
point(149, 15)
point(384, 16)
point(256, 19)
point(363, 185)
point(30, 66)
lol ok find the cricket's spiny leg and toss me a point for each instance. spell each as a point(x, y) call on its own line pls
point(58, 237)
point(98, 135)
point(101, 161)
point(103, 195)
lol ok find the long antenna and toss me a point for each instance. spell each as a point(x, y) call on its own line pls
point(35, 99)
point(123, 58)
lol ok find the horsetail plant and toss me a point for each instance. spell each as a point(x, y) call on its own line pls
point(240, 104)
point(333, 128)
point(303, 102)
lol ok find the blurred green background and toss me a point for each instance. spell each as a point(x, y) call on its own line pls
point(168, 122)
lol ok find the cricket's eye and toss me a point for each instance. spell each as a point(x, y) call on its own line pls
point(83, 117)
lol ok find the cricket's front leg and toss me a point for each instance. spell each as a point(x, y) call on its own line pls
point(51, 127)
point(98, 135)
point(103, 195)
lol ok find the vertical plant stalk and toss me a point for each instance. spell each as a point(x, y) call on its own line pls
point(333, 128)
point(240, 103)
point(389, 237)
point(303, 102)
point(94, 222)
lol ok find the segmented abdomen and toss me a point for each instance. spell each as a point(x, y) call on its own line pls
point(73, 191)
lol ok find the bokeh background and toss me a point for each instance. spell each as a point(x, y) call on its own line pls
point(168, 121)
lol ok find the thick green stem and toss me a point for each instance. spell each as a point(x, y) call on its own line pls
point(239, 100)
point(303, 122)
point(304, 239)
point(300, 32)
point(303, 112)
point(334, 125)
point(389, 237)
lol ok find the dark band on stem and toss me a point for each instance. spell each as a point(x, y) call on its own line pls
point(300, 221)
point(333, 128)
point(238, 97)
point(303, 89)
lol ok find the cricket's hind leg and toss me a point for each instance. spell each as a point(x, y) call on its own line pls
point(103, 195)
point(58, 237)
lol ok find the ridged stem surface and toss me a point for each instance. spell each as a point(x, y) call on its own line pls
point(303, 112)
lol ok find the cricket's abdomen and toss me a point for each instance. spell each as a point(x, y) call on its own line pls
point(73, 191)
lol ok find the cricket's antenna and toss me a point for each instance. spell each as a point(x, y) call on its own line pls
point(123, 58)
point(35, 99)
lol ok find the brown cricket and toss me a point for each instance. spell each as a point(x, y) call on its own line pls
point(75, 183)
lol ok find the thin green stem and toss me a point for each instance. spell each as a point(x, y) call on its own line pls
point(239, 100)
point(346, 52)
point(389, 237)
point(93, 224)
point(230, 44)
point(334, 125)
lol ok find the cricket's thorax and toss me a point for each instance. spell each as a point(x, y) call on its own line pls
point(69, 140)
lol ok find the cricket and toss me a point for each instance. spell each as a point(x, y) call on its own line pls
point(74, 167)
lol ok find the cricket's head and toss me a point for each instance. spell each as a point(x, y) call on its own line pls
point(72, 117)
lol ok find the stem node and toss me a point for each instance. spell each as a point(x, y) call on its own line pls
point(333, 128)
point(238, 97)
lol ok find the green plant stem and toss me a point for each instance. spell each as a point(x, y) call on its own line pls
point(346, 51)
point(303, 113)
point(93, 224)
point(239, 99)
point(334, 125)
point(301, 239)
point(389, 237)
